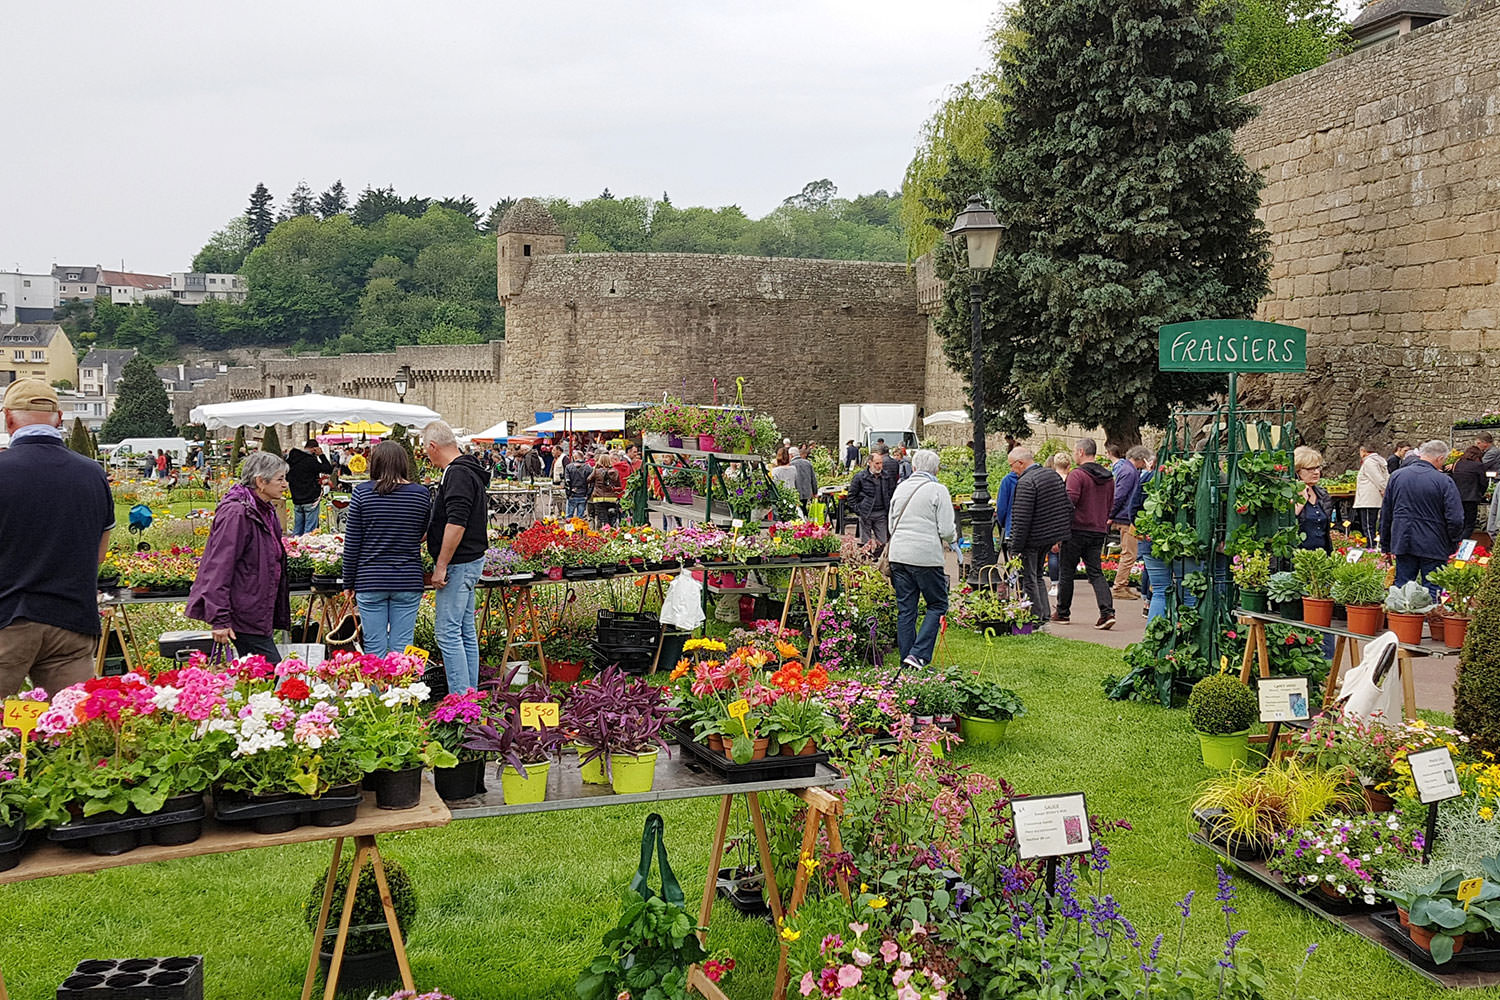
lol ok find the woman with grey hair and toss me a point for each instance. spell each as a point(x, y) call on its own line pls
point(921, 520)
point(241, 589)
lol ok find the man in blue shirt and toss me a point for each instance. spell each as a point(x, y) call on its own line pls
point(56, 513)
point(1127, 472)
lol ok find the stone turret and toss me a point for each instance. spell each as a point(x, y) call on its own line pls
point(526, 231)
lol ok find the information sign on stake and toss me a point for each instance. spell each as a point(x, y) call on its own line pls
point(1466, 548)
point(21, 716)
point(1434, 775)
point(535, 714)
point(1283, 699)
point(1050, 826)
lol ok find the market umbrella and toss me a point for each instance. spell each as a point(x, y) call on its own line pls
point(359, 427)
point(309, 407)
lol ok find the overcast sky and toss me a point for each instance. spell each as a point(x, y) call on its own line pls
point(136, 129)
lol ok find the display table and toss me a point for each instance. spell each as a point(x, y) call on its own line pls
point(218, 838)
point(676, 778)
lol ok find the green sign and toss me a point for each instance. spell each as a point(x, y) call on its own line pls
point(1232, 345)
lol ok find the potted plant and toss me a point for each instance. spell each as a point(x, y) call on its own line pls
point(1360, 587)
point(1244, 810)
point(1406, 609)
point(449, 724)
point(1285, 595)
point(986, 710)
point(1460, 583)
point(392, 740)
point(1314, 571)
point(1221, 709)
point(1366, 747)
point(1251, 572)
point(521, 752)
point(1439, 922)
point(1343, 857)
point(566, 653)
point(369, 957)
point(14, 795)
point(798, 719)
point(617, 721)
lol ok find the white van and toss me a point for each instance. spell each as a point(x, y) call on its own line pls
point(133, 451)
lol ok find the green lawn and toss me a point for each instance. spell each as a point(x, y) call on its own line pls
point(513, 907)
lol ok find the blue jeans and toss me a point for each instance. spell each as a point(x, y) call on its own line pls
point(387, 619)
point(1163, 578)
point(305, 517)
point(1143, 549)
point(578, 507)
point(930, 583)
point(457, 637)
point(1408, 568)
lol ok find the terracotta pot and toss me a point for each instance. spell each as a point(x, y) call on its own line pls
point(1365, 619)
point(1329, 891)
point(1455, 627)
point(807, 751)
point(1378, 802)
point(758, 754)
point(1435, 625)
point(1317, 611)
point(716, 741)
point(1408, 628)
point(1422, 938)
point(1404, 916)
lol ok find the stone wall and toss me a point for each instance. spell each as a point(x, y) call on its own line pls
point(1382, 205)
point(806, 335)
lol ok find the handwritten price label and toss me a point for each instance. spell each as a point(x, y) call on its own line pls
point(417, 651)
point(1469, 889)
point(737, 524)
point(22, 715)
point(739, 709)
point(536, 714)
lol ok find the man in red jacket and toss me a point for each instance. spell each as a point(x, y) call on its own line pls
point(1092, 490)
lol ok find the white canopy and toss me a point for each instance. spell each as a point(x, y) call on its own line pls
point(309, 407)
point(580, 420)
point(947, 417)
point(500, 430)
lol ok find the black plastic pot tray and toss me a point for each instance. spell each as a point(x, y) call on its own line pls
point(750, 903)
point(1483, 958)
point(135, 979)
point(129, 832)
point(769, 769)
point(231, 808)
point(12, 843)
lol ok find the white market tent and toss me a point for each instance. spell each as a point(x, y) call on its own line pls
point(580, 420)
point(309, 408)
point(947, 417)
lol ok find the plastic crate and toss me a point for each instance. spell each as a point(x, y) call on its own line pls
point(135, 979)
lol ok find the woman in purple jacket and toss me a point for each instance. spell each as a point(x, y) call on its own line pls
point(241, 589)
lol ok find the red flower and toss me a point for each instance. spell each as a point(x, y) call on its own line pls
point(1232, 634)
point(293, 689)
point(1291, 639)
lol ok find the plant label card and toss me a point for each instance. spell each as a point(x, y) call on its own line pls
point(536, 714)
point(1354, 555)
point(1050, 826)
point(1466, 548)
point(1469, 889)
point(418, 652)
point(1283, 699)
point(1433, 773)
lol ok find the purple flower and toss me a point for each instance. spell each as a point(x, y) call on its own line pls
point(1186, 904)
point(1310, 949)
point(1225, 894)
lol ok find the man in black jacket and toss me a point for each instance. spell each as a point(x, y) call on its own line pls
point(868, 500)
point(1040, 517)
point(305, 468)
point(457, 538)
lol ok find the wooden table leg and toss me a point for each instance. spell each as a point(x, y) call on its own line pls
point(817, 611)
point(328, 884)
point(108, 616)
point(128, 643)
point(1246, 660)
point(536, 630)
point(1259, 632)
point(715, 862)
point(836, 846)
point(3, 995)
point(392, 923)
point(758, 821)
point(341, 939)
point(1408, 683)
point(1331, 685)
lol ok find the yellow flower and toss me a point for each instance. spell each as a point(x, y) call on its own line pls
point(879, 903)
point(1486, 814)
point(864, 887)
point(812, 863)
point(709, 644)
point(789, 935)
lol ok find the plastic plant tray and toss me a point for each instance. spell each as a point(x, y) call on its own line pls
point(767, 769)
point(135, 979)
point(129, 832)
point(1473, 955)
point(269, 817)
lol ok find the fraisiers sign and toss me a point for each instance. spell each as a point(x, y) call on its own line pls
point(1232, 345)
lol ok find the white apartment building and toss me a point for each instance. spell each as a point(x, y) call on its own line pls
point(191, 287)
point(27, 298)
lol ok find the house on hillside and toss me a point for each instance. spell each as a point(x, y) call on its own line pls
point(192, 288)
point(99, 374)
point(27, 298)
point(126, 287)
point(36, 350)
point(1388, 18)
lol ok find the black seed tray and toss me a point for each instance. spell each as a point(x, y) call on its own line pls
point(135, 979)
point(109, 837)
point(768, 769)
point(288, 814)
point(1475, 956)
point(752, 903)
point(12, 843)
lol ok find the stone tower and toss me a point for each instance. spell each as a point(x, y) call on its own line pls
point(526, 231)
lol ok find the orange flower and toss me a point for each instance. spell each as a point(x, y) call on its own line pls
point(788, 651)
point(683, 666)
point(817, 678)
point(758, 658)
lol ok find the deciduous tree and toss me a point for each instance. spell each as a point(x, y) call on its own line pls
point(226, 249)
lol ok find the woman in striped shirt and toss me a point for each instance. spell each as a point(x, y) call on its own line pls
point(383, 539)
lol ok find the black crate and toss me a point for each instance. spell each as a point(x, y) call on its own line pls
point(135, 979)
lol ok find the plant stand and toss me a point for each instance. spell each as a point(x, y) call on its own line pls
point(1345, 648)
point(804, 580)
point(519, 608)
point(117, 623)
point(332, 606)
point(655, 461)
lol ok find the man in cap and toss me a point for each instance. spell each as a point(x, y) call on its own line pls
point(56, 513)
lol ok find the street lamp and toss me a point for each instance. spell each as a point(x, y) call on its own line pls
point(980, 231)
point(403, 380)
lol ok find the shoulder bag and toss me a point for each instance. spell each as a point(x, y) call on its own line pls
point(884, 562)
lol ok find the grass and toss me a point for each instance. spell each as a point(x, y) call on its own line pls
point(515, 906)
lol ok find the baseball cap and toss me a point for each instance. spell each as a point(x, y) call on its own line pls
point(31, 394)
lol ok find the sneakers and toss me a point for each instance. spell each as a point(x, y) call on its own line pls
point(1060, 618)
point(913, 663)
point(1106, 621)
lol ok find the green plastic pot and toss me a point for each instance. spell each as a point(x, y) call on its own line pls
point(523, 791)
point(1253, 600)
point(1223, 752)
point(982, 732)
point(632, 775)
point(592, 773)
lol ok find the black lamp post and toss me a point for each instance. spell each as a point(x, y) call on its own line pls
point(980, 231)
point(403, 380)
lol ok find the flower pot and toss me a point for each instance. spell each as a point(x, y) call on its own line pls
point(1435, 625)
point(674, 440)
point(632, 774)
point(679, 495)
point(1025, 629)
point(592, 772)
point(398, 789)
point(1408, 628)
point(554, 572)
point(564, 671)
point(653, 439)
point(1253, 600)
point(176, 834)
point(716, 742)
point(356, 972)
point(1290, 610)
point(1404, 915)
point(1422, 938)
point(1222, 752)
point(759, 752)
point(1365, 619)
point(336, 815)
point(523, 791)
point(922, 721)
point(708, 442)
point(982, 732)
point(1317, 611)
point(948, 722)
point(460, 781)
point(12, 840)
point(807, 751)
point(1377, 802)
point(1455, 627)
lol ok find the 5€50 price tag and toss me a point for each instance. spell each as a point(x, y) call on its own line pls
point(417, 651)
point(1469, 889)
point(536, 714)
point(22, 715)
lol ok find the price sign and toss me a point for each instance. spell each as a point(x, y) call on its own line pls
point(417, 651)
point(536, 714)
point(1469, 889)
point(1354, 555)
point(738, 710)
point(22, 715)
point(737, 523)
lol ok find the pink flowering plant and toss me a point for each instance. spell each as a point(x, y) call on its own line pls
point(865, 964)
point(451, 718)
point(1346, 856)
point(13, 792)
